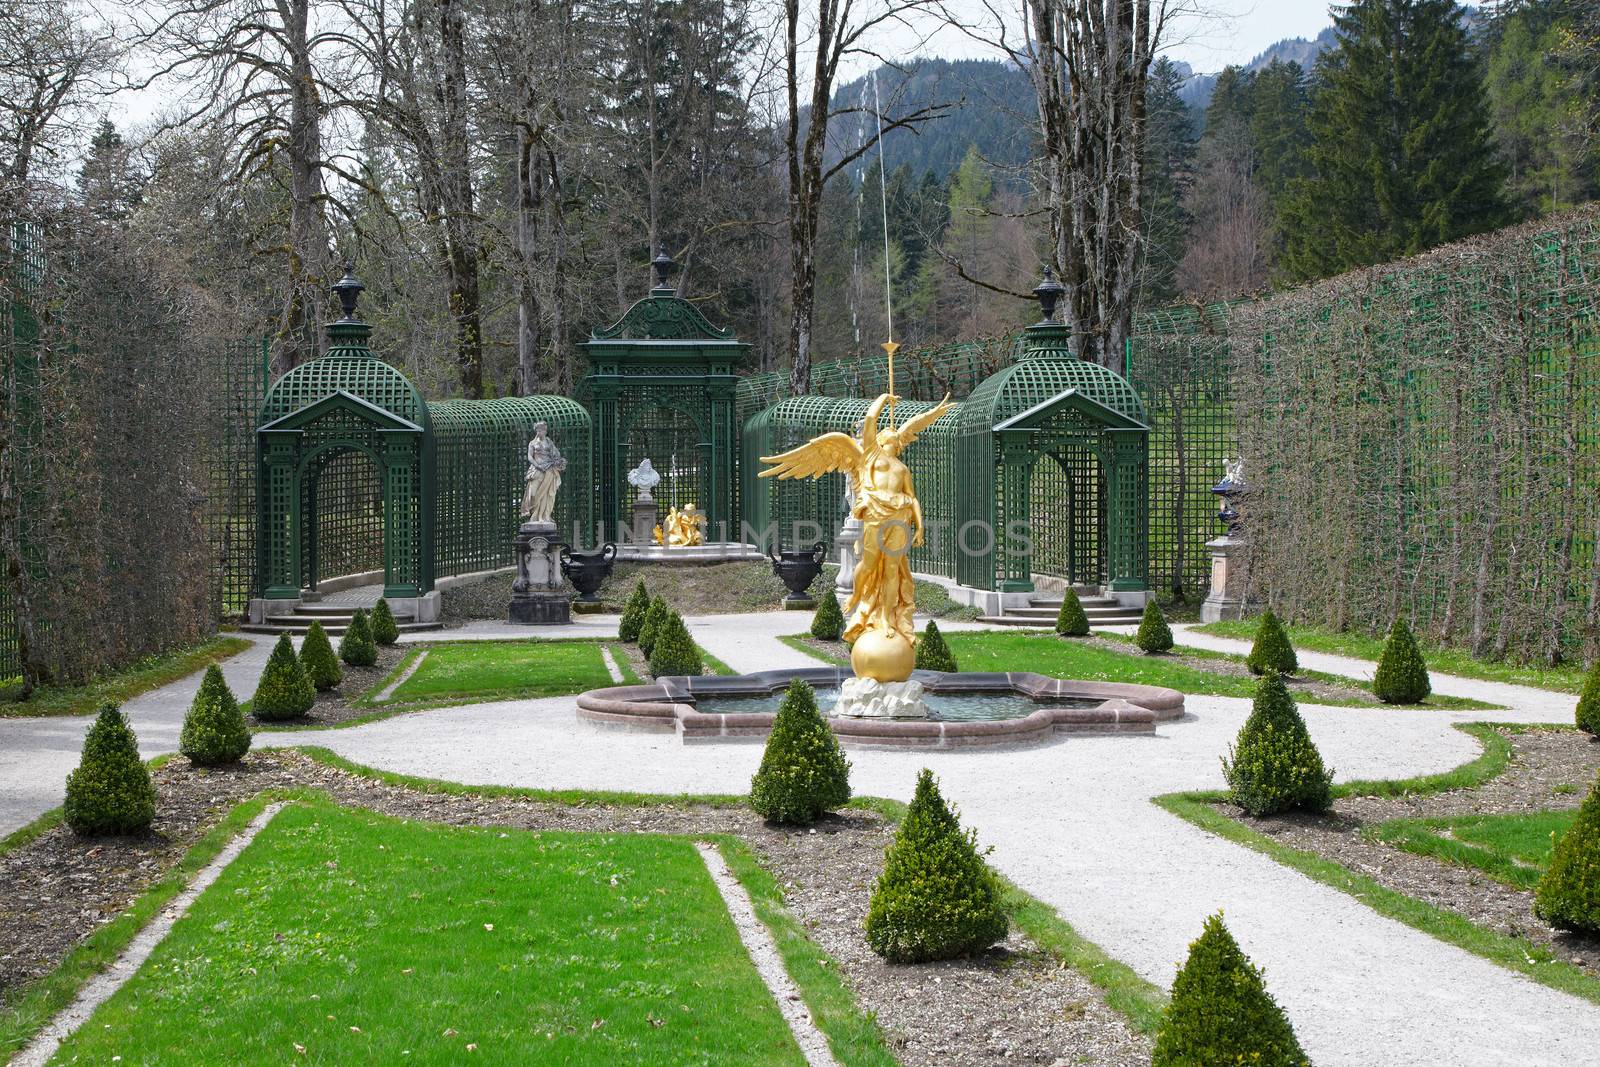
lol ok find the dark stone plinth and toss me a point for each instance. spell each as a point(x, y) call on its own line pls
point(535, 610)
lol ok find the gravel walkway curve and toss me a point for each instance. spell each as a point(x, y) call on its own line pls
point(1072, 822)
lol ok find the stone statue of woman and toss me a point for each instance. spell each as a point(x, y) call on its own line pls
point(545, 464)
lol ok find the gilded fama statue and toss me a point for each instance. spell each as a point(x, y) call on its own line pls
point(891, 525)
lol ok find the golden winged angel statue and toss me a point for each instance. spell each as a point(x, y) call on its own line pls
point(891, 525)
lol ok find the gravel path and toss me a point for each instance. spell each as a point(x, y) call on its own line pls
point(1072, 822)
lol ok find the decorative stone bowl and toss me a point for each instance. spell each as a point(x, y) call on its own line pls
point(586, 570)
point(797, 570)
point(1063, 706)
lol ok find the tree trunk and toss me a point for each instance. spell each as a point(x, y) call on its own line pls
point(299, 334)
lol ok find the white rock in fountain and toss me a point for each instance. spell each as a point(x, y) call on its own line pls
point(868, 698)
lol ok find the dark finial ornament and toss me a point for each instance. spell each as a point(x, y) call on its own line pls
point(1048, 293)
point(349, 289)
point(664, 266)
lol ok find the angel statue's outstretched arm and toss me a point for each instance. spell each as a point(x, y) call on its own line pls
point(818, 456)
point(869, 422)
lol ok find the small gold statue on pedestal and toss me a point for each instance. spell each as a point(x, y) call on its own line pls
point(682, 528)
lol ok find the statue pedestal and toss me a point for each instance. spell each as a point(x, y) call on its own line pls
point(644, 521)
point(849, 542)
point(868, 698)
point(539, 595)
point(1226, 599)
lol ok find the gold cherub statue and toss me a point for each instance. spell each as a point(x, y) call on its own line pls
point(682, 528)
point(891, 525)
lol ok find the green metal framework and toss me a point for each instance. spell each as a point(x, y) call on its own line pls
point(661, 385)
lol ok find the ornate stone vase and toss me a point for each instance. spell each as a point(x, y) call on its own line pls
point(797, 570)
point(586, 570)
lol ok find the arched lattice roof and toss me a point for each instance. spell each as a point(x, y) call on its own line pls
point(1045, 371)
point(363, 375)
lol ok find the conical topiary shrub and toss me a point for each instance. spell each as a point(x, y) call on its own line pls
point(284, 691)
point(385, 631)
point(828, 623)
point(1273, 765)
point(1589, 701)
point(316, 656)
point(937, 898)
point(1221, 1012)
point(633, 613)
point(1154, 634)
point(656, 615)
point(1070, 620)
point(933, 654)
point(803, 771)
point(1402, 676)
point(1569, 893)
point(1272, 650)
point(214, 731)
point(357, 647)
point(674, 652)
point(111, 791)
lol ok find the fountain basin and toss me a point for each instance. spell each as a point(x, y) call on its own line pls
point(971, 708)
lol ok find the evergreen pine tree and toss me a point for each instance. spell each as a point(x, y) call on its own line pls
point(357, 647)
point(1154, 634)
point(674, 652)
point(284, 691)
point(1168, 166)
point(803, 771)
point(385, 631)
point(633, 613)
point(1402, 157)
point(1071, 620)
point(1568, 895)
point(933, 654)
point(937, 898)
point(316, 656)
point(1272, 650)
point(1402, 675)
point(1221, 1012)
point(828, 623)
point(1589, 701)
point(654, 618)
point(111, 791)
point(214, 731)
point(1273, 766)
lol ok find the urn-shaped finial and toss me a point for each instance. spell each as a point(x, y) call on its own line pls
point(1048, 292)
point(664, 266)
point(349, 289)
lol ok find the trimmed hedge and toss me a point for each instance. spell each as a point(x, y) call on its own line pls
point(1071, 620)
point(675, 652)
point(214, 730)
point(1568, 895)
point(803, 771)
point(828, 623)
point(318, 659)
point(1589, 702)
point(654, 617)
point(357, 647)
point(1272, 650)
point(385, 631)
point(933, 654)
point(111, 791)
point(1154, 634)
point(284, 691)
point(1402, 676)
point(1221, 1012)
point(1273, 766)
point(633, 613)
point(937, 898)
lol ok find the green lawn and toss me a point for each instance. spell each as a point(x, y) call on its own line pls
point(143, 676)
point(504, 669)
point(1514, 849)
point(367, 939)
point(1567, 678)
point(1045, 653)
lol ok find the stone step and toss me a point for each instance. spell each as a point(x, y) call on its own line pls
point(299, 627)
point(1087, 602)
point(341, 618)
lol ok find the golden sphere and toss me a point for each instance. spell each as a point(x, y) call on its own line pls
point(884, 655)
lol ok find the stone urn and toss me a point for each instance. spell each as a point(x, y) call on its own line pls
point(797, 570)
point(586, 570)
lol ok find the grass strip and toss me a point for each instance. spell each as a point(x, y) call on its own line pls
point(799, 643)
point(619, 653)
point(31, 832)
point(143, 676)
point(717, 666)
point(1565, 678)
point(1513, 848)
point(1515, 953)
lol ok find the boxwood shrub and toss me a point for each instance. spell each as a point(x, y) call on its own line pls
point(1273, 766)
point(1568, 895)
point(633, 613)
point(284, 691)
point(214, 730)
point(1402, 676)
point(357, 647)
point(111, 791)
point(385, 631)
point(933, 654)
point(828, 623)
point(1154, 634)
point(1071, 620)
point(1272, 650)
point(317, 657)
point(803, 771)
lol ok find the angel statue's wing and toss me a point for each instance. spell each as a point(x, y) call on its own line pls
point(917, 423)
point(818, 456)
